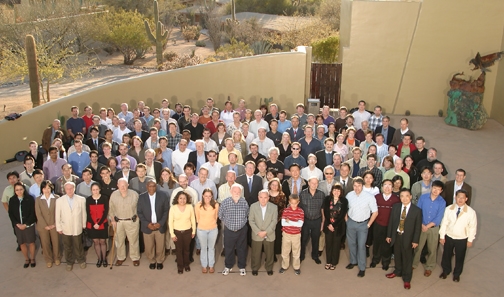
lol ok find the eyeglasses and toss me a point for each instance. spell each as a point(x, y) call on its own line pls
point(328, 173)
point(295, 149)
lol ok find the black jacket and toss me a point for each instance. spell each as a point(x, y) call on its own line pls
point(27, 210)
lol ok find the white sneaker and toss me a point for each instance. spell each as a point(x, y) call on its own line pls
point(243, 272)
point(226, 271)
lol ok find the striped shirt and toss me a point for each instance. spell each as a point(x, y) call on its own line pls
point(233, 214)
point(293, 216)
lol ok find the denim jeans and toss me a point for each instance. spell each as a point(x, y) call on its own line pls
point(207, 239)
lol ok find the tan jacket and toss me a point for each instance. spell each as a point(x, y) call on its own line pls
point(46, 216)
point(268, 224)
point(71, 221)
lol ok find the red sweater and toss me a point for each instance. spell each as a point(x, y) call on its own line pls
point(384, 208)
point(412, 148)
point(292, 215)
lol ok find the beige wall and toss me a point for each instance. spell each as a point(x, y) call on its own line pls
point(281, 76)
point(402, 55)
point(498, 102)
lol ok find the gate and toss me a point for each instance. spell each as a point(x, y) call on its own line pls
point(326, 84)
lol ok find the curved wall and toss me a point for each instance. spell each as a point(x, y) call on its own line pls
point(281, 76)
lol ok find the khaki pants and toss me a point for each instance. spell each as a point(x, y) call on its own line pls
point(431, 238)
point(49, 240)
point(169, 244)
point(291, 242)
point(73, 249)
point(321, 244)
point(154, 246)
point(128, 229)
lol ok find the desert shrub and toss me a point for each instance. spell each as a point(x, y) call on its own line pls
point(200, 43)
point(261, 47)
point(326, 50)
point(181, 61)
point(235, 49)
point(191, 32)
point(169, 56)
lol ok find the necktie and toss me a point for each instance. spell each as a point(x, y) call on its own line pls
point(96, 144)
point(250, 184)
point(294, 187)
point(344, 184)
point(403, 217)
point(295, 130)
point(458, 212)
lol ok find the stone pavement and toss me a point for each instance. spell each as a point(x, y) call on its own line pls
point(478, 152)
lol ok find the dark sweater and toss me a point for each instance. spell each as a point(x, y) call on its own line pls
point(384, 208)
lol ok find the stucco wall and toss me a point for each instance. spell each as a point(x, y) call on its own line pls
point(498, 102)
point(402, 54)
point(281, 76)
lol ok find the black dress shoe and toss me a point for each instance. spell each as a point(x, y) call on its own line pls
point(105, 263)
point(385, 267)
point(350, 266)
point(443, 275)
point(317, 261)
point(187, 269)
point(159, 266)
point(180, 271)
point(270, 272)
point(372, 265)
point(361, 273)
point(319, 253)
point(18, 249)
point(33, 263)
point(152, 266)
point(26, 264)
point(99, 263)
point(254, 272)
point(456, 278)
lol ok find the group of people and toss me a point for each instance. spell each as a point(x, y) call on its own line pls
point(171, 180)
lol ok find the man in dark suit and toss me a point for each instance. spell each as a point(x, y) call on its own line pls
point(250, 182)
point(238, 168)
point(404, 228)
point(150, 155)
point(295, 132)
point(344, 178)
point(199, 154)
point(459, 183)
point(94, 142)
point(294, 179)
point(152, 210)
point(144, 135)
point(325, 156)
point(386, 130)
point(125, 171)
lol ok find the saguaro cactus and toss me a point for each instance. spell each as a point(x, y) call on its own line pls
point(31, 57)
point(161, 34)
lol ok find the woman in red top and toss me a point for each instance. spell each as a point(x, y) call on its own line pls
point(212, 125)
point(97, 206)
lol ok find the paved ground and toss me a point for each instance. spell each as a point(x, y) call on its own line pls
point(479, 152)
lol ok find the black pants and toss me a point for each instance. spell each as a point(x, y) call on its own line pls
point(381, 249)
point(311, 229)
point(182, 247)
point(278, 238)
point(460, 247)
point(403, 257)
point(333, 246)
point(236, 240)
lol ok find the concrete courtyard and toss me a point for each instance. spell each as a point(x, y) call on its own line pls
point(478, 152)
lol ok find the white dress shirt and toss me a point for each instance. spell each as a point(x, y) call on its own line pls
point(152, 199)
